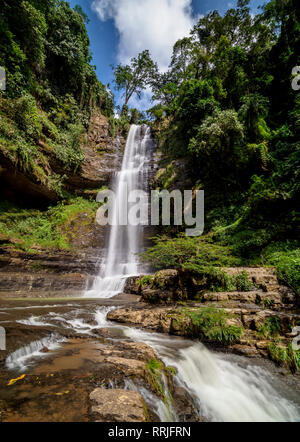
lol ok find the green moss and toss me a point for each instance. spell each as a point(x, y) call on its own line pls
point(145, 280)
point(154, 369)
point(172, 370)
point(146, 412)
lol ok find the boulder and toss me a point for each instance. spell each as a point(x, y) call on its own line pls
point(118, 406)
point(162, 288)
point(132, 285)
point(129, 367)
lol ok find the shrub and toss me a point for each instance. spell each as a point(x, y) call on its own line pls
point(192, 253)
point(242, 282)
point(270, 328)
point(286, 356)
point(287, 264)
point(211, 324)
point(44, 229)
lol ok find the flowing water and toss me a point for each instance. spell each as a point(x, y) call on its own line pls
point(222, 387)
point(125, 241)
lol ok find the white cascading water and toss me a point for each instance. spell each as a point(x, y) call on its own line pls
point(223, 390)
point(125, 242)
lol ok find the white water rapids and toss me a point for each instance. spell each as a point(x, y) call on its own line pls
point(125, 241)
point(223, 388)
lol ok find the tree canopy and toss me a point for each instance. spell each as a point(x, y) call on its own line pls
point(136, 76)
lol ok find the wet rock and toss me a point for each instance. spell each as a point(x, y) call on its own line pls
point(245, 350)
point(132, 285)
point(141, 351)
point(118, 406)
point(184, 405)
point(155, 319)
point(129, 367)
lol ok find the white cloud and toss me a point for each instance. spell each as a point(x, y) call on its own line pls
point(147, 24)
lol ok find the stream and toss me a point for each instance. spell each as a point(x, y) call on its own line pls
point(223, 387)
point(60, 340)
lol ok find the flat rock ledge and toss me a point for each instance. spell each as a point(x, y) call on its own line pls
point(118, 406)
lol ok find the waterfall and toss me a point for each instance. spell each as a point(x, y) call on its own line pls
point(125, 242)
point(223, 390)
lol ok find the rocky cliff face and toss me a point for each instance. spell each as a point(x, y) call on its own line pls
point(102, 153)
point(41, 272)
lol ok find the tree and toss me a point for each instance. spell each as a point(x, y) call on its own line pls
point(134, 78)
point(135, 116)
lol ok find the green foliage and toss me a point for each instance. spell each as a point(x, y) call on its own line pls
point(270, 328)
point(67, 149)
point(154, 369)
point(286, 356)
point(211, 324)
point(135, 77)
point(28, 136)
point(242, 282)
point(52, 88)
point(48, 56)
point(287, 263)
point(226, 107)
point(219, 142)
point(146, 280)
point(192, 253)
point(29, 228)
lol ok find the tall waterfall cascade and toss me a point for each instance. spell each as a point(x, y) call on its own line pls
point(125, 242)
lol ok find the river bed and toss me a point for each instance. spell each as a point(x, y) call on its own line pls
point(57, 344)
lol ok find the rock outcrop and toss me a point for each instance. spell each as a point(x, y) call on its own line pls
point(243, 328)
point(43, 272)
point(103, 155)
point(118, 406)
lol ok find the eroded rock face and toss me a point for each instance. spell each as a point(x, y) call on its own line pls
point(132, 285)
point(46, 273)
point(154, 319)
point(118, 406)
point(162, 288)
point(103, 155)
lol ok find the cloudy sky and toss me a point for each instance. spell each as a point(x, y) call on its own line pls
point(120, 29)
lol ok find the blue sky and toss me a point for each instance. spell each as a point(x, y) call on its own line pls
point(120, 29)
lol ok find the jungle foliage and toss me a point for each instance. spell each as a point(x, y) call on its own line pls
point(226, 107)
point(51, 87)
